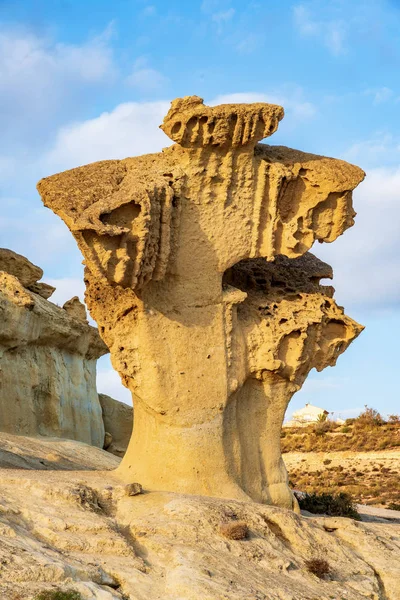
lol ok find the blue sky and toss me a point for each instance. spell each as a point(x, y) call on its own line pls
point(84, 81)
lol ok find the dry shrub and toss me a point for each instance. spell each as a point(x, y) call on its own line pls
point(334, 505)
point(318, 566)
point(394, 419)
point(234, 530)
point(368, 419)
point(58, 595)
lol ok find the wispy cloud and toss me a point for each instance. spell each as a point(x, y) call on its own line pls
point(223, 16)
point(331, 32)
point(219, 11)
point(381, 148)
point(380, 95)
point(145, 78)
point(291, 99)
point(42, 80)
point(149, 11)
point(130, 129)
point(371, 279)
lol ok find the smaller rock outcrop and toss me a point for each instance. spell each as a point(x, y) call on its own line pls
point(48, 359)
point(76, 309)
point(118, 423)
point(19, 266)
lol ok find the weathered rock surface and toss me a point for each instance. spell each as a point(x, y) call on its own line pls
point(81, 531)
point(49, 453)
point(47, 363)
point(198, 276)
point(19, 266)
point(118, 422)
point(76, 309)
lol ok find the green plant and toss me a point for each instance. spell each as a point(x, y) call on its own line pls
point(321, 417)
point(318, 566)
point(345, 429)
point(334, 505)
point(58, 595)
point(394, 506)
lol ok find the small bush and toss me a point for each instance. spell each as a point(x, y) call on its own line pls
point(334, 505)
point(394, 419)
point(58, 595)
point(394, 506)
point(321, 427)
point(234, 530)
point(318, 566)
point(368, 419)
point(345, 429)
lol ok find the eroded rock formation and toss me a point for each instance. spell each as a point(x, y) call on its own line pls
point(81, 531)
point(118, 423)
point(47, 360)
point(198, 274)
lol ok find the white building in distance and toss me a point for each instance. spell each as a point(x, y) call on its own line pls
point(305, 416)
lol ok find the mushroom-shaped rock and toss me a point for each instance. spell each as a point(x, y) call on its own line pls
point(199, 276)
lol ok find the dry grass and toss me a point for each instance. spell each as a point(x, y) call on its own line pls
point(58, 595)
point(319, 567)
point(234, 530)
point(376, 485)
point(367, 433)
point(373, 484)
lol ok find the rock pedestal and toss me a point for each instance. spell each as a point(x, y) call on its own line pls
point(199, 277)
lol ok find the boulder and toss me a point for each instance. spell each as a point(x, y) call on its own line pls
point(19, 266)
point(42, 289)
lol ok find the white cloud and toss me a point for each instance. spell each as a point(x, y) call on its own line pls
point(132, 128)
point(331, 32)
point(368, 248)
point(128, 130)
point(35, 72)
point(305, 24)
point(380, 95)
point(291, 101)
point(382, 148)
point(365, 259)
point(223, 16)
point(144, 78)
point(66, 288)
point(249, 43)
point(149, 11)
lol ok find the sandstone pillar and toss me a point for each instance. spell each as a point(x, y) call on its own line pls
point(199, 277)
